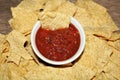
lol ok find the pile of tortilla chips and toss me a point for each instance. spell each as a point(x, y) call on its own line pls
point(100, 59)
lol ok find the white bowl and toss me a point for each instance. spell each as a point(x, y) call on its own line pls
point(76, 55)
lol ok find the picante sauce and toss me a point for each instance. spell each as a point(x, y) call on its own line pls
point(58, 45)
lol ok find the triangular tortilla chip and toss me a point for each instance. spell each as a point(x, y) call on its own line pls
point(53, 21)
point(67, 8)
point(113, 69)
point(23, 21)
point(17, 40)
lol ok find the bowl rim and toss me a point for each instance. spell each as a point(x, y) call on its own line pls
point(77, 54)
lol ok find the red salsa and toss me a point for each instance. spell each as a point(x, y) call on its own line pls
point(58, 45)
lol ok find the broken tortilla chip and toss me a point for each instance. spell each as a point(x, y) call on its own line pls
point(91, 14)
point(2, 40)
point(112, 69)
point(17, 41)
point(52, 5)
point(67, 8)
point(96, 54)
point(115, 44)
point(32, 5)
point(53, 21)
point(115, 56)
point(23, 21)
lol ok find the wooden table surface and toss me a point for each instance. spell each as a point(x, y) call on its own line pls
point(113, 7)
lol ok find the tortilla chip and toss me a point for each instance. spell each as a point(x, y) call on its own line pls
point(15, 76)
point(115, 57)
point(2, 40)
point(109, 76)
point(103, 76)
point(16, 72)
point(4, 52)
point(68, 73)
point(104, 33)
point(17, 40)
point(53, 20)
point(52, 5)
point(96, 54)
point(23, 21)
point(9, 71)
point(14, 58)
point(91, 14)
point(32, 5)
point(30, 65)
point(4, 57)
point(113, 69)
point(115, 44)
point(6, 47)
point(90, 5)
point(4, 72)
point(31, 52)
point(2, 60)
point(115, 36)
point(67, 8)
point(78, 69)
point(100, 76)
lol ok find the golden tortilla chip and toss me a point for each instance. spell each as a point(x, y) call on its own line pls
point(32, 5)
point(4, 57)
point(2, 60)
point(88, 73)
point(6, 47)
point(14, 58)
point(52, 5)
point(28, 39)
point(91, 14)
point(53, 20)
point(104, 33)
point(109, 76)
point(115, 44)
point(115, 56)
point(112, 69)
point(115, 36)
point(90, 5)
point(30, 65)
point(9, 71)
point(4, 72)
point(16, 72)
point(15, 76)
point(67, 8)
point(17, 41)
point(103, 76)
point(68, 73)
point(2, 40)
point(23, 21)
point(31, 52)
point(96, 54)
point(100, 76)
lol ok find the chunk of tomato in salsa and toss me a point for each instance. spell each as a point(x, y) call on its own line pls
point(58, 45)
